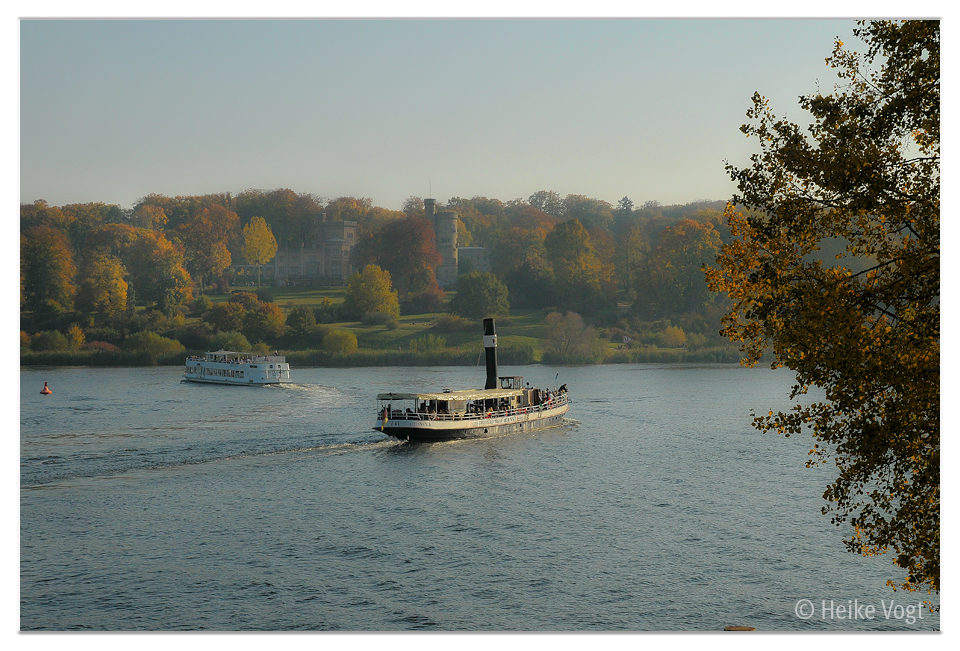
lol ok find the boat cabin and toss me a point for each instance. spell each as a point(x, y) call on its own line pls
point(511, 398)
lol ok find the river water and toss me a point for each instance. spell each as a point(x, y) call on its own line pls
point(147, 504)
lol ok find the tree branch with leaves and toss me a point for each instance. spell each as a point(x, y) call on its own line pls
point(864, 327)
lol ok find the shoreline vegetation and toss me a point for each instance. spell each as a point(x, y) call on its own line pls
point(431, 339)
point(374, 358)
point(570, 280)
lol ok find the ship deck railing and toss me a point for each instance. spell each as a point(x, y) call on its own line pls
point(553, 403)
point(256, 359)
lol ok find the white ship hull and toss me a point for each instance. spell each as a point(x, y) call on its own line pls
point(246, 369)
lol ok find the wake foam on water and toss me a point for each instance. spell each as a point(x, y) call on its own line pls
point(145, 465)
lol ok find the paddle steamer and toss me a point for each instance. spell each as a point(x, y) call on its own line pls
point(503, 406)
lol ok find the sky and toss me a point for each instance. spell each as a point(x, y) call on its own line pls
point(648, 108)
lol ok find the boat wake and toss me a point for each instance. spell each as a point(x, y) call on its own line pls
point(124, 466)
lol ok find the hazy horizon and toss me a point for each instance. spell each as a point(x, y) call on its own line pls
point(113, 110)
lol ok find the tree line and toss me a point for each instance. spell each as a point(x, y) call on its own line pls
point(616, 265)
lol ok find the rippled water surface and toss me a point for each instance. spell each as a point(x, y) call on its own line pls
point(147, 504)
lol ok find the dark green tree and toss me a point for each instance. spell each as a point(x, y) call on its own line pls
point(301, 321)
point(480, 295)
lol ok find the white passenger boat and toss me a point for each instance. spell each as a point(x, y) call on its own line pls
point(504, 406)
point(229, 367)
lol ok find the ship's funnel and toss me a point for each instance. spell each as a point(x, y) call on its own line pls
point(490, 348)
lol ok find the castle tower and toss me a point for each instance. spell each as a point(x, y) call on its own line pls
point(445, 226)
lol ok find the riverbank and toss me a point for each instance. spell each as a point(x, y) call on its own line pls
point(429, 339)
point(520, 356)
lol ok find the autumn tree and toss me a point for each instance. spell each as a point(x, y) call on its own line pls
point(48, 268)
point(569, 339)
point(482, 217)
point(87, 217)
point(259, 244)
point(262, 322)
point(205, 238)
point(180, 209)
point(480, 295)
point(101, 285)
point(592, 213)
point(39, 213)
point(156, 271)
point(571, 253)
point(150, 217)
point(245, 313)
point(413, 206)
point(371, 291)
point(863, 326)
point(578, 270)
point(548, 201)
point(670, 280)
point(522, 239)
point(290, 215)
point(344, 209)
point(225, 317)
point(406, 248)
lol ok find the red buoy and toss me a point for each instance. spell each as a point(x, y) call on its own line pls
point(46, 390)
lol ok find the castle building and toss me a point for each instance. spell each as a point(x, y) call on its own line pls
point(473, 258)
point(325, 259)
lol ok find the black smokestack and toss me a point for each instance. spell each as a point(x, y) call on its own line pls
point(490, 347)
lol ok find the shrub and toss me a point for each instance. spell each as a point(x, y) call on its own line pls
point(75, 336)
point(231, 340)
point(426, 301)
point(342, 342)
point(377, 318)
point(107, 334)
point(196, 337)
point(50, 340)
point(260, 348)
point(428, 344)
point(673, 337)
point(152, 345)
point(100, 346)
point(696, 341)
point(516, 353)
point(301, 320)
point(453, 323)
point(327, 312)
point(201, 304)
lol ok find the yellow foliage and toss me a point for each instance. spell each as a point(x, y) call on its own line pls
point(866, 327)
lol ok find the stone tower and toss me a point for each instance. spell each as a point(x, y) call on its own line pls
point(445, 227)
